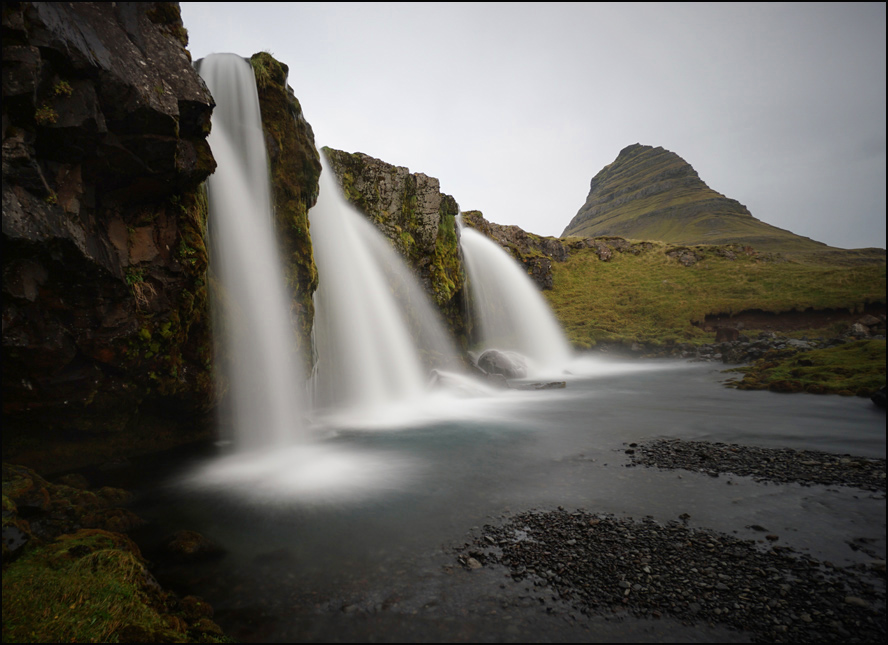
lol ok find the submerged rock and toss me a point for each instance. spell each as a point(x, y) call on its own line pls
point(552, 385)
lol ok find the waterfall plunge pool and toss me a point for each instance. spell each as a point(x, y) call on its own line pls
point(353, 538)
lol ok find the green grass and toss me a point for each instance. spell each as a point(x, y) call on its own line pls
point(652, 298)
point(85, 587)
point(92, 587)
point(854, 368)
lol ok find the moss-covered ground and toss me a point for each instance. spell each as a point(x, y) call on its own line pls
point(66, 583)
point(652, 297)
point(85, 587)
point(853, 368)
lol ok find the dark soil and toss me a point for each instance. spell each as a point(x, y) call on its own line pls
point(789, 320)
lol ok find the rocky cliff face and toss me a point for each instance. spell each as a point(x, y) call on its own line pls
point(411, 211)
point(104, 263)
point(295, 169)
point(650, 193)
point(534, 252)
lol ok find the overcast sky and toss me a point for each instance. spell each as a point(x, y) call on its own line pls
point(515, 107)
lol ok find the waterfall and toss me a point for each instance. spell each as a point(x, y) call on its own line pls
point(508, 309)
point(252, 303)
point(374, 324)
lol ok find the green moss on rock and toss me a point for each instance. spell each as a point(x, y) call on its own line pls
point(420, 222)
point(295, 167)
point(62, 583)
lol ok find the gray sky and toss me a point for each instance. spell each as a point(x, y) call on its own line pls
point(515, 107)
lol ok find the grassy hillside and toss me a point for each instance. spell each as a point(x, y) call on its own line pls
point(653, 297)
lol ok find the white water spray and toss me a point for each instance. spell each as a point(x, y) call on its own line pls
point(509, 310)
point(262, 367)
point(372, 319)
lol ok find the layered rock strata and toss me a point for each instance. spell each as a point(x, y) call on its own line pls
point(650, 193)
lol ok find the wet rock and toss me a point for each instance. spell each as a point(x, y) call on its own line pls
point(104, 151)
point(780, 465)
point(508, 364)
point(411, 211)
point(552, 385)
point(536, 253)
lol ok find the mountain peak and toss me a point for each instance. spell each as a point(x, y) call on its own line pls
point(651, 193)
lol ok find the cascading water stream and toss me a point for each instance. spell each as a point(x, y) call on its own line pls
point(509, 310)
point(376, 333)
point(372, 321)
point(260, 362)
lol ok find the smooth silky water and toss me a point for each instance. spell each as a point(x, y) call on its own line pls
point(265, 405)
point(339, 520)
point(328, 567)
point(509, 310)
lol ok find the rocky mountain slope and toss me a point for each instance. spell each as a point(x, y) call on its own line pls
point(650, 193)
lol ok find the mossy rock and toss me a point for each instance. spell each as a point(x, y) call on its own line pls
point(295, 168)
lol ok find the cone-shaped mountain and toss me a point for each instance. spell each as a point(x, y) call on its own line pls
point(653, 194)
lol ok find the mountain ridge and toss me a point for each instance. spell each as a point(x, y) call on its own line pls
point(652, 193)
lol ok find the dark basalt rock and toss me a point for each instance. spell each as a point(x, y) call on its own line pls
point(781, 465)
point(104, 264)
point(507, 364)
point(602, 565)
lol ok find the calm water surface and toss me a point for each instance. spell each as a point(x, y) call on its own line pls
point(353, 539)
